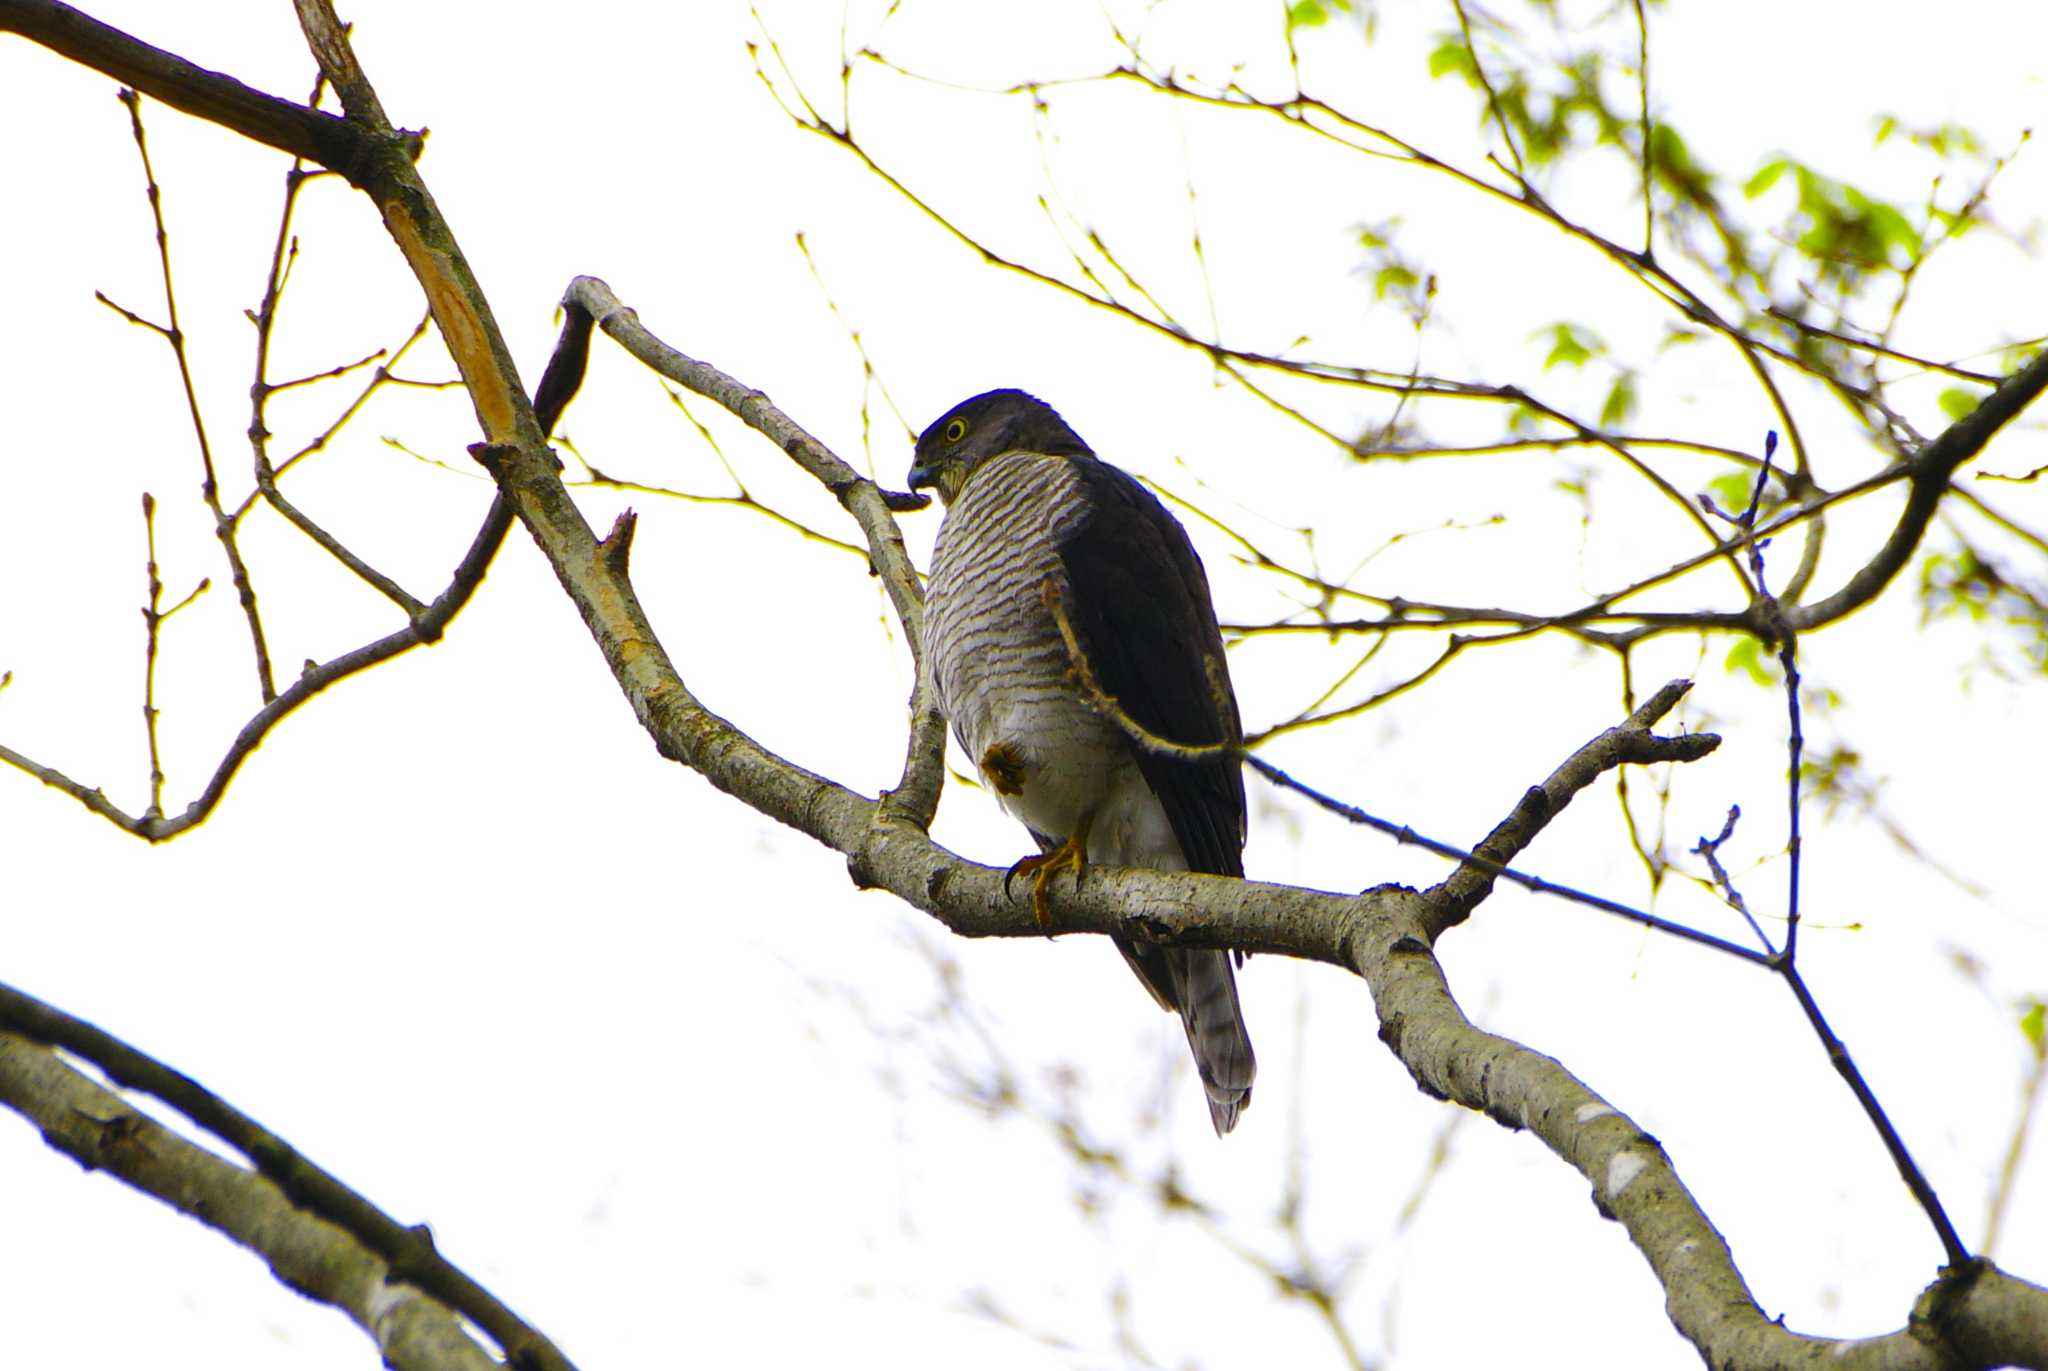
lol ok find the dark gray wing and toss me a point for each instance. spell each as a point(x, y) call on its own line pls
point(1140, 607)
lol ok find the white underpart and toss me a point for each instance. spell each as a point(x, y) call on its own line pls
point(1129, 827)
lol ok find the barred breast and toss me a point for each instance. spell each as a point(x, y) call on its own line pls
point(1001, 668)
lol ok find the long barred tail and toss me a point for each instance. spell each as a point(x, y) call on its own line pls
point(1205, 991)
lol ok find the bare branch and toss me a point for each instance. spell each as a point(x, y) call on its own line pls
point(308, 133)
point(284, 1213)
point(209, 488)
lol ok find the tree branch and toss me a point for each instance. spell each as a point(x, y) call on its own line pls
point(1928, 470)
point(99, 1130)
point(222, 100)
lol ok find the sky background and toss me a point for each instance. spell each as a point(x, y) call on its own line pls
point(647, 1065)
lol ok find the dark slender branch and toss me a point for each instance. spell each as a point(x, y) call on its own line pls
point(1845, 1066)
point(318, 443)
point(1877, 349)
point(556, 388)
point(1710, 850)
point(426, 628)
point(1773, 626)
point(153, 617)
point(333, 373)
point(564, 375)
point(209, 488)
point(1453, 899)
point(409, 1251)
point(1643, 102)
point(1929, 470)
point(384, 585)
point(283, 252)
point(323, 138)
point(1486, 84)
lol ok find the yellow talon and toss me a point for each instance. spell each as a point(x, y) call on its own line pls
point(1071, 855)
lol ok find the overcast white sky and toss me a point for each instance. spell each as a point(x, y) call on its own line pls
point(647, 1065)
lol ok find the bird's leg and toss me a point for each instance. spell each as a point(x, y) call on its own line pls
point(1071, 855)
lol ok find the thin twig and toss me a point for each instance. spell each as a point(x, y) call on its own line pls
point(209, 489)
point(283, 252)
point(153, 617)
point(1643, 99)
point(1773, 624)
point(1479, 863)
point(2030, 1096)
point(556, 388)
point(1486, 84)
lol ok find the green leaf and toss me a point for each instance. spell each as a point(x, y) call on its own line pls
point(1748, 656)
point(1892, 228)
point(2034, 1025)
point(1571, 345)
point(1307, 14)
point(1731, 491)
point(1958, 403)
point(1392, 278)
point(1621, 400)
point(1767, 176)
point(1451, 57)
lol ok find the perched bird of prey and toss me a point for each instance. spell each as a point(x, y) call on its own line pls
point(1062, 596)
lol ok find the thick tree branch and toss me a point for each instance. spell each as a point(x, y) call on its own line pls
point(1626, 743)
point(916, 796)
point(1928, 470)
point(102, 1132)
point(309, 133)
point(870, 505)
point(403, 1253)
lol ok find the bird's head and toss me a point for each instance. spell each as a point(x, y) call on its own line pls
point(988, 425)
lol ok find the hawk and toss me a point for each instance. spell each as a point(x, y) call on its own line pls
point(1062, 595)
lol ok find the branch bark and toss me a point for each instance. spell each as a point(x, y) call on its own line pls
point(316, 136)
point(101, 1132)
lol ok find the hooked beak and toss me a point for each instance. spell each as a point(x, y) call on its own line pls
point(924, 477)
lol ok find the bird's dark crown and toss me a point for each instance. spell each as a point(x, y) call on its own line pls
point(988, 425)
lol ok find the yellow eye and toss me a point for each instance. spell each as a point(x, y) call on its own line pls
point(956, 430)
